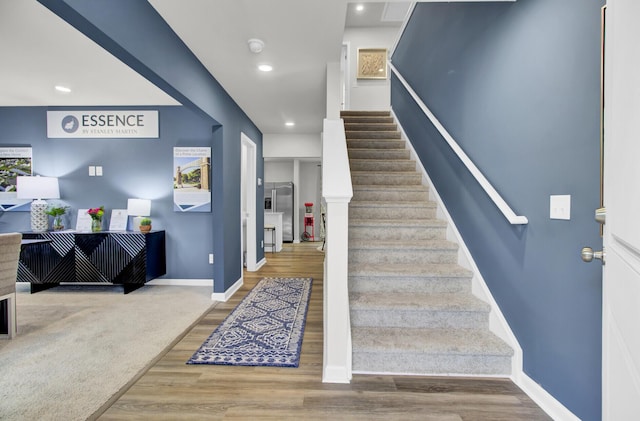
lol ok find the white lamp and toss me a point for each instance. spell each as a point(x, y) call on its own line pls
point(138, 208)
point(38, 188)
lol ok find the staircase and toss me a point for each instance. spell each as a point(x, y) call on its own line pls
point(412, 310)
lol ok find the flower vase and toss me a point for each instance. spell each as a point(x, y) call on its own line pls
point(96, 224)
point(58, 225)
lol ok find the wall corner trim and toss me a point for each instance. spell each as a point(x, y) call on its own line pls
point(224, 296)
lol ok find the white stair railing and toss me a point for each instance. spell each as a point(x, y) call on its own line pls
point(477, 174)
point(336, 193)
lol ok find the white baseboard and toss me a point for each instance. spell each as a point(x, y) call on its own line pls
point(224, 296)
point(261, 263)
point(183, 282)
point(548, 403)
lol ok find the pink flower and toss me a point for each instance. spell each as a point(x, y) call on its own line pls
point(96, 213)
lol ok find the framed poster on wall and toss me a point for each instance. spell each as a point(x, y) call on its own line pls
point(14, 161)
point(372, 63)
point(192, 179)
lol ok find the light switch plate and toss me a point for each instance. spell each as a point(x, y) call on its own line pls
point(99, 171)
point(92, 171)
point(560, 207)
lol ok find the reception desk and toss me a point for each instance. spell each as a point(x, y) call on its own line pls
point(127, 258)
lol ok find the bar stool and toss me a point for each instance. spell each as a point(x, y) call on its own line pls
point(270, 229)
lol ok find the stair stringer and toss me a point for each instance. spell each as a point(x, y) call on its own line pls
point(498, 325)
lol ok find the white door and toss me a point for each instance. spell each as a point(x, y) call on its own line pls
point(621, 272)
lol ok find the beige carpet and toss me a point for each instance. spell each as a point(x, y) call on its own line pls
point(77, 346)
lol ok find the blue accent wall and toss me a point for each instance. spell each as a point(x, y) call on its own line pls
point(518, 86)
point(135, 33)
point(132, 168)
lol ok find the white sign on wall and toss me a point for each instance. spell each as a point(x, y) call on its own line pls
point(103, 124)
point(14, 161)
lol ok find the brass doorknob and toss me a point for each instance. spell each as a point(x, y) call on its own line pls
point(588, 255)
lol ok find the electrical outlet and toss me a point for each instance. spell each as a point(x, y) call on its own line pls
point(210, 258)
point(92, 171)
point(99, 171)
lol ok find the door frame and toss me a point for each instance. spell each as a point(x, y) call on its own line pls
point(248, 186)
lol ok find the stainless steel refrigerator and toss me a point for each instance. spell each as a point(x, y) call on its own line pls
point(278, 197)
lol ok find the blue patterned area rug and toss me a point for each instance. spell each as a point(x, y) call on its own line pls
point(265, 329)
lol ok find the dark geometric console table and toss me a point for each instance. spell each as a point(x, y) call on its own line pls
point(127, 258)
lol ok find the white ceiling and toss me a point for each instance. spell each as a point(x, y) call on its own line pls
point(39, 51)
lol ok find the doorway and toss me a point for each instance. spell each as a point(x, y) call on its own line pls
point(248, 203)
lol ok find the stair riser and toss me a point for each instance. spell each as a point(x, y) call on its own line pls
point(387, 179)
point(375, 134)
point(357, 113)
point(419, 319)
point(380, 154)
point(376, 165)
point(381, 143)
point(388, 195)
point(370, 127)
point(391, 284)
point(427, 364)
point(397, 233)
point(367, 120)
point(394, 213)
point(402, 256)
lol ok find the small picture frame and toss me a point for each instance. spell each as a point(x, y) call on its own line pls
point(118, 221)
point(83, 223)
point(372, 63)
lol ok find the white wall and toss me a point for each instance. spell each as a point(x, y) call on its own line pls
point(284, 153)
point(275, 171)
point(291, 146)
point(309, 192)
point(367, 94)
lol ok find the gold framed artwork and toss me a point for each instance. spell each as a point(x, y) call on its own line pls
point(372, 63)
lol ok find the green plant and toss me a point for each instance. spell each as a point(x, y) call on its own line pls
point(145, 221)
point(56, 210)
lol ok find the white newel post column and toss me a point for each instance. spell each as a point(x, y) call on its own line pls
point(337, 193)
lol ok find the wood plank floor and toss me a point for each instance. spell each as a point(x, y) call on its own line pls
point(172, 390)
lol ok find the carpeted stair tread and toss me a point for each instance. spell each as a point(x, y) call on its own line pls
point(374, 113)
point(416, 278)
point(382, 187)
point(389, 173)
point(371, 135)
point(417, 302)
point(375, 154)
point(396, 204)
point(428, 341)
point(368, 119)
point(398, 223)
point(427, 270)
point(425, 245)
point(350, 126)
point(377, 165)
point(376, 144)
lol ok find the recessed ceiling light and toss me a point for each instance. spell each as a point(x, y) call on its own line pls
point(359, 8)
point(61, 88)
point(265, 68)
point(289, 124)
